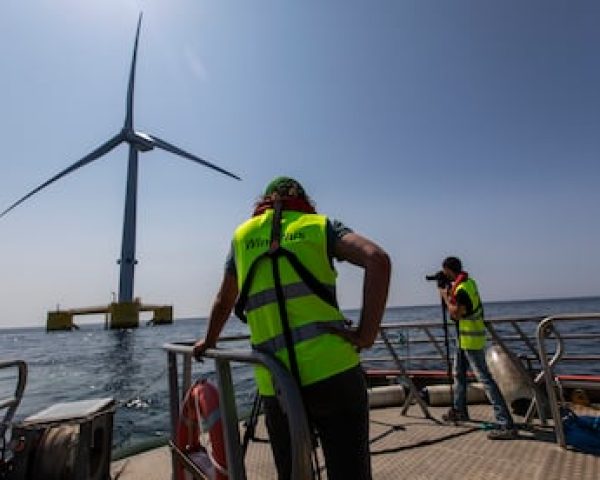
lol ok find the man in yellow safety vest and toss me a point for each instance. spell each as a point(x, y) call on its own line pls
point(462, 299)
point(281, 278)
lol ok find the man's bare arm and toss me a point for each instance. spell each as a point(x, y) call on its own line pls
point(220, 312)
point(376, 263)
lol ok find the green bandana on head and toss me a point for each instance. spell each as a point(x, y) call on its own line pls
point(283, 185)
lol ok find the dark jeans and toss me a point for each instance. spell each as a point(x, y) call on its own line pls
point(338, 411)
point(476, 359)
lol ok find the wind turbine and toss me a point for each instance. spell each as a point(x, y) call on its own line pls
point(138, 142)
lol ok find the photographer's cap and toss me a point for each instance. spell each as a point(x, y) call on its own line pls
point(284, 185)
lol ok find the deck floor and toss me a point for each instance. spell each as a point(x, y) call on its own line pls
point(415, 448)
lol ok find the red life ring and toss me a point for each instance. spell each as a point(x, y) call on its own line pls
point(200, 416)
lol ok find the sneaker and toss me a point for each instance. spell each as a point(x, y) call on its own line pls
point(455, 416)
point(503, 434)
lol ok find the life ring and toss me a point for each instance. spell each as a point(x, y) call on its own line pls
point(200, 422)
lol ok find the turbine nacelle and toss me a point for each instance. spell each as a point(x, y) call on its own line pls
point(142, 142)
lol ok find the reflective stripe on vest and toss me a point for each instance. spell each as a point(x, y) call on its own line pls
point(472, 335)
point(293, 290)
point(319, 354)
point(299, 334)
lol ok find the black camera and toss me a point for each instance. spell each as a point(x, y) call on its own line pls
point(440, 277)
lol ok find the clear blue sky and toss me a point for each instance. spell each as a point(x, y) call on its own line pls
point(433, 127)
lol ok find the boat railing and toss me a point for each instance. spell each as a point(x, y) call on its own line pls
point(550, 331)
point(10, 404)
point(285, 386)
point(422, 345)
point(424, 341)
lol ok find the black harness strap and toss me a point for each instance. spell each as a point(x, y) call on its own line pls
point(240, 305)
point(283, 315)
point(309, 279)
point(274, 253)
point(305, 275)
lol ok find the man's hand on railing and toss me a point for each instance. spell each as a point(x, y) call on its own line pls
point(200, 347)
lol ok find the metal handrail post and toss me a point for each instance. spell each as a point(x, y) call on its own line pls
point(289, 397)
point(286, 390)
point(229, 419)
point(11, 404)
point(543, 327)
point(413, 393)
point(173, 392)
point(542, 374)
point(558, 354)
point(525, 339)
point(434, 342)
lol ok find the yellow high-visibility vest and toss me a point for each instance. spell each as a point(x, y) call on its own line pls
point(471, 329)
point(319, 354)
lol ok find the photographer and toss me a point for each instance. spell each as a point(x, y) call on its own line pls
point(461, 297)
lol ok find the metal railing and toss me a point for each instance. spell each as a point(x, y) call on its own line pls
point(424, 345)
point(285, 387)
point(405, 345)
point(12, 403)
point(523, 339)
point(548, 329)
point(431, 336)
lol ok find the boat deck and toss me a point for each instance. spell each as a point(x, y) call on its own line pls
point(416, 448)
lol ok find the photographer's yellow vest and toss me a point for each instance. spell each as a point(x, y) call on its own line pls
point(471, 329)
point(319, 355)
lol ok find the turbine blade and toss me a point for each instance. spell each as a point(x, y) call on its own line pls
point(178, 151)
point(129, 112)
point(98, 152)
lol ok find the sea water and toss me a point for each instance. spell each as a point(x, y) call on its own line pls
point(131, 365)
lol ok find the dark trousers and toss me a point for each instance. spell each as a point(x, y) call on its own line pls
point(338, 411)
point(476, 359)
